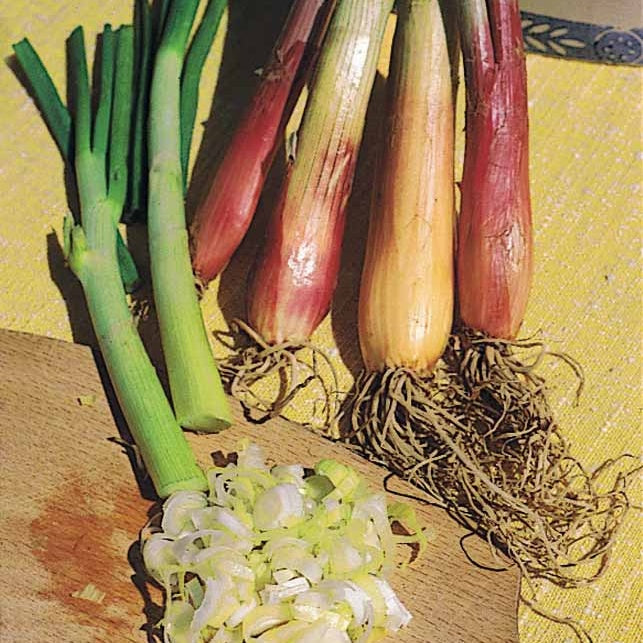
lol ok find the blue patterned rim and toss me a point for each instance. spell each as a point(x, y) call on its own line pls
point(567, 39)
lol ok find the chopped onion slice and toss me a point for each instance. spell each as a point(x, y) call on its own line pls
point(281, 592)
point(273, 556)
point(264, 617)
point(251, 456)
point(279, 506)
point(219, 602)
point(177, 510)
point(397, 615)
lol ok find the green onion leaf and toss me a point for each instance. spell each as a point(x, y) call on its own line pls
point(54, 113)
point(191, 76)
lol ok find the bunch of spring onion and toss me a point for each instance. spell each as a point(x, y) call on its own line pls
point(477, 433)
point(58, 121)
point(296, 271)
point(274, 554)
point(197, 394)
point(222, 219)
point(103, 155)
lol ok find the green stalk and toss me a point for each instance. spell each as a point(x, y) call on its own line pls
point(191, 76)
point(161, 443)
point(143, 42)
point(91, 251)
point(197, 393)
point(160, 9)
point(119, 135)
point(126, 266)
point(58, 120)
point(91, 180)
point(100, 135)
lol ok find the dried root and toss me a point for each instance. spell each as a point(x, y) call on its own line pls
point(479, 438)
point(252, 370)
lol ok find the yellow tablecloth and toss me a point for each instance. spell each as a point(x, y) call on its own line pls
point(586, 171)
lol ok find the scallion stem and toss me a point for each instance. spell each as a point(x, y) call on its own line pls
point(54, 113)
point(197, 393)
point(160, 441)
point(100, 134)
point(160, 9)
point(137, 202)
point(119, 139)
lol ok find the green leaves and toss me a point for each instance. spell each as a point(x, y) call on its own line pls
point(53, 111)
point(59, 121)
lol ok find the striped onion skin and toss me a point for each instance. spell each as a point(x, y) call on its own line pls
point(296, 272)
point(225, 214)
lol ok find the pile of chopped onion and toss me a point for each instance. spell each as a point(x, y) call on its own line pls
point(278, 554)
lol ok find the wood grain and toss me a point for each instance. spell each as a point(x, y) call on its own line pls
point(72, 508)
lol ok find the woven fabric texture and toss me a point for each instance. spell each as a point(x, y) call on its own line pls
point(586, 171)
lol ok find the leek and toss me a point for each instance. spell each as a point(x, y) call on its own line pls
point(100, 148)
point(197, 394)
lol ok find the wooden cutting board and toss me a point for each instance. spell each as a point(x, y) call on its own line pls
point(72, 508)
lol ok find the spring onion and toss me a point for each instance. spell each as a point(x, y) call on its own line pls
point(274, 555)
point(495, 244)
point(225, 214)
point(197, 394)
point(406, 293)
point(297, 268)
point(523, 485)
point(406, 296)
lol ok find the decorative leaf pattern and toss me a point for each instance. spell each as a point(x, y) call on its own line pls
point(563, 38)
